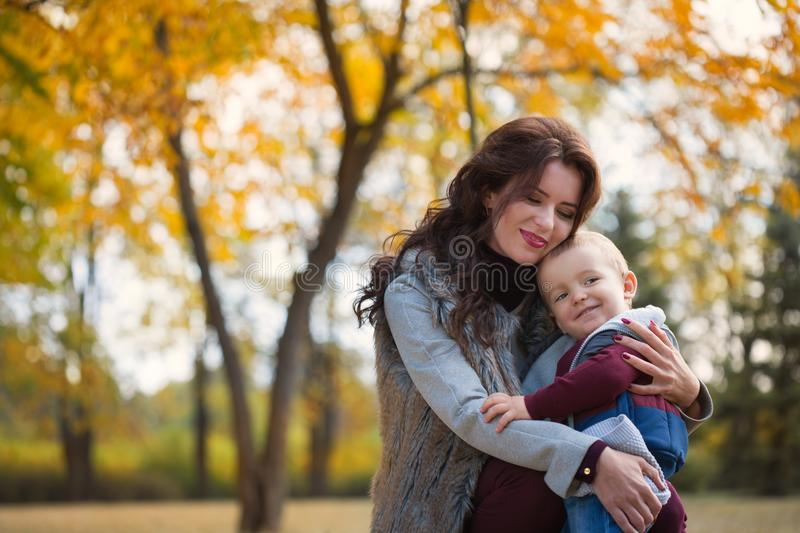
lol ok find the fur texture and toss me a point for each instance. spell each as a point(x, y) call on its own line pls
point(427, 475)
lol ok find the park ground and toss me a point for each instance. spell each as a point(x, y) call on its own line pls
point(706, 514)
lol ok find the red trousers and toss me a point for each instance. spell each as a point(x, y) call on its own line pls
point(513, 499)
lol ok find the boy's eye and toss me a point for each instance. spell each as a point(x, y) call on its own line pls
point(591, 280)
point(560, 297)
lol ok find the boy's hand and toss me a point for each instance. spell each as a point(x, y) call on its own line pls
point(511, 407)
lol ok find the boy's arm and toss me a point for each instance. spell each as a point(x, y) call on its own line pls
point(595, 382)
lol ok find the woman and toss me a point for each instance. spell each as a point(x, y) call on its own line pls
point(449, 331)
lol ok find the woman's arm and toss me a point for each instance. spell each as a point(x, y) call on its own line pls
point(452, 389)
point(672, 377)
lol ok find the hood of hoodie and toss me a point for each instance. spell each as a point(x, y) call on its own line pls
point(604, 334)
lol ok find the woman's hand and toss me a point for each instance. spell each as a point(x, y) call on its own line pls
point(672, 377)
point(620, 486)
point(511, 407)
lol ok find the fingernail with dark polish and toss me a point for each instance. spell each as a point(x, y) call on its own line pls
point(626, 355)
point(626, 321)
point(652, 324)
point(617, 338)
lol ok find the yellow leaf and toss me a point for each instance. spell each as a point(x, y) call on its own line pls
point(718, 234)
point(754, 189)
point(789, 197)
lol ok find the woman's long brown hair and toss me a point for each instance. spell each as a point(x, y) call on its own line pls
point(516, 154)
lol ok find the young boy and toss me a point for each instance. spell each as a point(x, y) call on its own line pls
point(588, 289)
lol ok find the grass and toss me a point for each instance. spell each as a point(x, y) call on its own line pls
point(300, 516)
point(706, 513)
point(742, 515)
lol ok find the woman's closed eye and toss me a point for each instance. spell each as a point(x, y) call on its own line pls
point(564, 214)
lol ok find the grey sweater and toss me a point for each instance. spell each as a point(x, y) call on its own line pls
point(453, 391)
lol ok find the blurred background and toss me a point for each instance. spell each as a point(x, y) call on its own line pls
point(171, 171)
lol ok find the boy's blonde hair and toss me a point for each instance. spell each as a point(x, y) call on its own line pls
point(591, 238)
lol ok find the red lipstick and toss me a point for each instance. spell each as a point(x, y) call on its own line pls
point(532, 239)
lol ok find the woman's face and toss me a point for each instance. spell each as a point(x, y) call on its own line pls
point(529, 228)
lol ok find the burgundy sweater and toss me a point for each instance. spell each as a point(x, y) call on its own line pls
point(592, 387)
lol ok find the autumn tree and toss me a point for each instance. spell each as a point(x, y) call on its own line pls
point(93, 86)
point(35, 199)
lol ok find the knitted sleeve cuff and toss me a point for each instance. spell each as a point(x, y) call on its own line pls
point(529, 406)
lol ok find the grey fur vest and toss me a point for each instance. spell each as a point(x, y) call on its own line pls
point(427, 475)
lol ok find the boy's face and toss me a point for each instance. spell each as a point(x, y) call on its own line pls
point(583, 289)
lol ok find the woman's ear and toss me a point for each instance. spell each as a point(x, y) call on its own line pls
point(629, 285)
point(490, 200)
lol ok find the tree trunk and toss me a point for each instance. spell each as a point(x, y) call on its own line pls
point(306, 284)
point(76, 444)
point(323, 398)
point(781, 458)
point(321, 440)
point(360, 143)
point(462, 27)
point(74, 424)
point(248, 474)
point(201, 423)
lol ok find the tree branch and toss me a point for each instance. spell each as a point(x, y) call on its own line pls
point(336, 65)
point(370, 31)
point(366, 141)
point(461, 12)
point(433, 79)
point(25, 73)
point(673, 142)
point(29, 5)
point(392, 70)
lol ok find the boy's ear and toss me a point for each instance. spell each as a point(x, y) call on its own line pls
point(553, 320)
point(629, 285)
